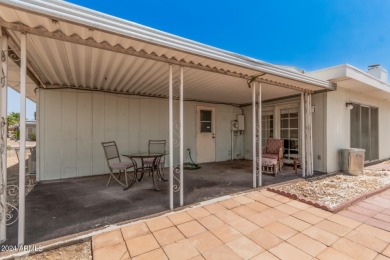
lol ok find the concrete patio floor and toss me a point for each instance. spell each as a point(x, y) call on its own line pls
point(60, 208)
point(254, 225)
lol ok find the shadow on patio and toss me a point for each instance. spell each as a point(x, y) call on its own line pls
point(59, 208)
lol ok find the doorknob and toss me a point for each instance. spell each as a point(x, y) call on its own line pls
point(213, 135)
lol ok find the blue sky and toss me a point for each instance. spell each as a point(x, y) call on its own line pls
point(310, 34)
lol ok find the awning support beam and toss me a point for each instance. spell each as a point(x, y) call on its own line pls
point(259, 144)
point(22, 137)
point(181, 136)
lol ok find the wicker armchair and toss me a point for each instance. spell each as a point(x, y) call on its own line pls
point(274, 150)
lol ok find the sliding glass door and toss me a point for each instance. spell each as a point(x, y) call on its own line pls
point(364, 130)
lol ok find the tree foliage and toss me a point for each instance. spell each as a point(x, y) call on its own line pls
point(13, 118)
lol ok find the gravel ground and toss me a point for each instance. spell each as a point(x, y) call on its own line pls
point(333, 190)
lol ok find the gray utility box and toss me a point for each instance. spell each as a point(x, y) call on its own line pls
point(352, 161)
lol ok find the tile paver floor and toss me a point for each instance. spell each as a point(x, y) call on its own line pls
point(255, 225)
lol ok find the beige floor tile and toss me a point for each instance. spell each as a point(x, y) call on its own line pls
point(214, 208)
point(270, 202)
point(210, 222)
point(281, 198)
point(375, 232)
point(261, 220)
point(225, 233)
point(257, 206)
point(321, 235)
point(386, 252)
point(230, 203)
point(168, 236)
point(198, 257)
point(264, 238)
point(244, 226)
point(140, 245)
point(333, 227)
point(221, 252)
point(295, 223)
point(157, 254)
point(191, 228)
point(318, 212)
point(244, 211)
point(381, 257)
point(243, 199)
point(245, 247)
point(180, 250)
point(267, 193)
point(280, 230)
point(275, 214)
point(287, 209)
point(265, 256)
point(298, 205)
point(307, 244)
point(255, 195)
point(180, 217)
point(287, 251)
point(107, 239)
point(368, 241)
point(353, 250)
point(205, 241)
point(308, 217)
point(228, 216)
point(135, 230)
point(114, 252)
point(347, 222)
point(332, 254)
point(159, 223)
point(199, 212)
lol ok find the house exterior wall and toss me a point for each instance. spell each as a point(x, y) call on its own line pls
point(73, 124)
point(338, 124)
point(319, 131)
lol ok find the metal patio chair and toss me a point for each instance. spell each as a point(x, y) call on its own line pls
point(157, 146)
point(115, 164)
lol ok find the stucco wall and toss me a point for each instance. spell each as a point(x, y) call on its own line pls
point(72, 125)
point(338, 124)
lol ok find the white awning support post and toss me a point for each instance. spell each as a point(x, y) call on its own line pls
point(4, 93)
point(22, 137)
point(311, 137)
point(259, 162)
point(303, 136)
point(254, 134)
point(170, 137)
point(181, 136)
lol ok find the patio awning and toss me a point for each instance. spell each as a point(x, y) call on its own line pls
point(69, 46)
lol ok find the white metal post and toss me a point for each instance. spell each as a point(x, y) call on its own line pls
point(254, 134)
point(260, 139)
point(181, 136)
point(4, 93)
point(170, 138)
point(303, 150)
point(22, 137)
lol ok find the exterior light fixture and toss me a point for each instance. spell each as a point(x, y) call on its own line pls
point(349, 105)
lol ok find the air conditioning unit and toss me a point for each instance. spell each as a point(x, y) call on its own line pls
point(352, 161)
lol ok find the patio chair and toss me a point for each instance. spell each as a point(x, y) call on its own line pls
point(157, 146)
point(274, 150)
point(115, 164)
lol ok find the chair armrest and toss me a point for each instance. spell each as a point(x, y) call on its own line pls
point(281, 149)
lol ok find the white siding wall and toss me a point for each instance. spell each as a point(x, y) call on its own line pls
point(338, 126)
point(74, 123)
point(319, 132)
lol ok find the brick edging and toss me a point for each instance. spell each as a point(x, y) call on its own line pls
point(335, 209)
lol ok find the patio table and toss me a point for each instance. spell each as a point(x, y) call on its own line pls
point(153, 168)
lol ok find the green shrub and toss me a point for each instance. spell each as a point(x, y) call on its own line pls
point(32, 137)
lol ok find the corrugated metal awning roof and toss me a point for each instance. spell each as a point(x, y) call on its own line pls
point(71, 46)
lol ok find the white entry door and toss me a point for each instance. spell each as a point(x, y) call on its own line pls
point(205, 138)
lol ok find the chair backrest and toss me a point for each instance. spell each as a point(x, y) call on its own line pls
point(111, 151)
point(157, 146)
point(273, 145)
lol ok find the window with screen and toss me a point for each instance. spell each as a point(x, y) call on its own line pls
point(289, 130)
point(267, 124)
point(206, 121)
